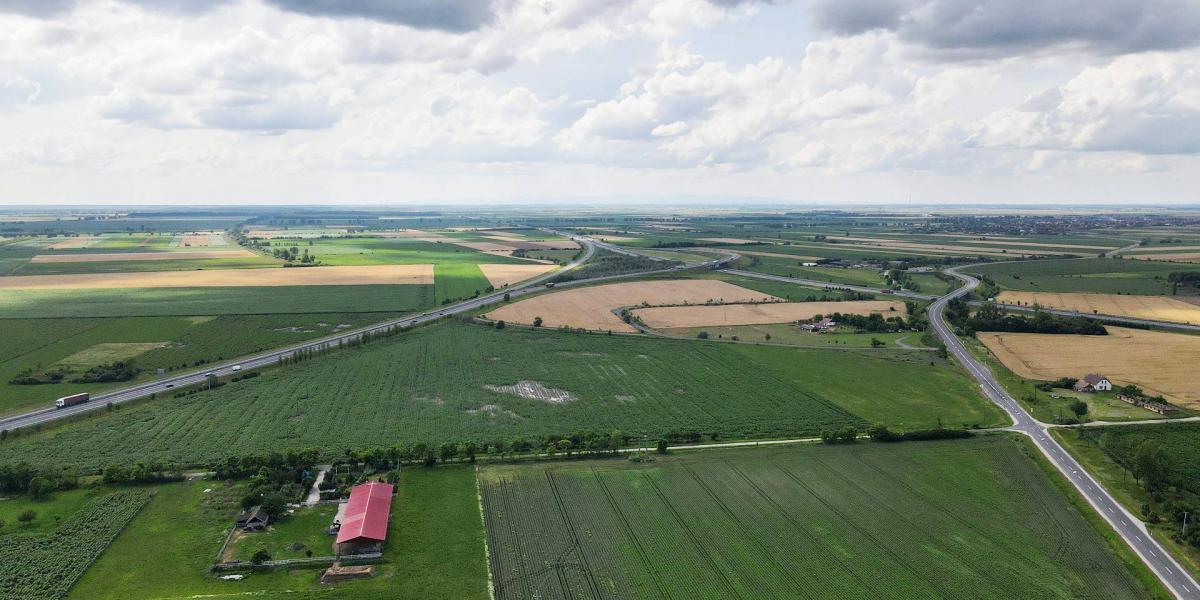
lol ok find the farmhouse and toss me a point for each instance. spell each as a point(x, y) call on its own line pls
point(252, 519)
point(365, 522)
point(1093, 383)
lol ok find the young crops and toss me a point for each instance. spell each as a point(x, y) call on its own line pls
point(971, 518)
point(33, 567)
point(431, 385)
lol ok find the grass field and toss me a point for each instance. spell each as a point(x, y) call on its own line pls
point(974, 518)
point(434, 548)
point(39, 344)
point(292, 537)
point(214, 301)
point(791, 268)
point(1093, 275)
point(429, 386)
point(409, 274)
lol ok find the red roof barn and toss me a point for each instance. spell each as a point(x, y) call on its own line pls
point(365, 521)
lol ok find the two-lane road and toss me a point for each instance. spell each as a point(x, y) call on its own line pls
point(1132, 530)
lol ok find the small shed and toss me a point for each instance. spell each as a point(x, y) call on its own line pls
point(365, 522)
point(253, 519)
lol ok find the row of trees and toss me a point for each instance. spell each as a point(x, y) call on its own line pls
point(990, 317)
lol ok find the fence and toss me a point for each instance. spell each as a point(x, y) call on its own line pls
point(314, 561)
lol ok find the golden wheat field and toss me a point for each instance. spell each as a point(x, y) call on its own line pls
point(1159, 362)
point(1157, 308)
point(591, 307)
point(501, 275)
point(758, 314)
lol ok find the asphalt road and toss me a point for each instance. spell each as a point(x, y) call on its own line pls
point(1132, 530)
point(168, 385)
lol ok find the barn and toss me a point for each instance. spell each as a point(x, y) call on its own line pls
point(364, 525)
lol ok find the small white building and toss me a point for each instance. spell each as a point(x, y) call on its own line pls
point(1093, 383)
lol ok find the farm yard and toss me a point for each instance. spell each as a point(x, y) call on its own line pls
point(936, 519)
point(430, 385)
point(757, 314)
point(1156, 308)
point(1159, 362)
point(591, 307)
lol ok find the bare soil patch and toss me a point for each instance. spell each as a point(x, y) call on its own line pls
point(500, 275)
point(349, 275)
point(487, 246)
point(759, 314)
point(133, 256)
point(1159, 362)
point(591, 307)
point(1158, 308)
point(202, 239)
point(534, 390)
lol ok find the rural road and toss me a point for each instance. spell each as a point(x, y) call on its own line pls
point(1132, 530)
point(168, 385)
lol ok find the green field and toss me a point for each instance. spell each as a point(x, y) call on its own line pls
point(428, 385)
point(1095, 275)
point(46, 565)
point(785, 333)
point(787, 267)
point(131, 266)
point(434, 548)
point(972, 518)
point(29, 304)
point(288, 538)
point(43, 344)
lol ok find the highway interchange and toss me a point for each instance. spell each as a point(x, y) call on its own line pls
point(1131, 529)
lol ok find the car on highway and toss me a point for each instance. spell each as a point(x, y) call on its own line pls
point(236, 368)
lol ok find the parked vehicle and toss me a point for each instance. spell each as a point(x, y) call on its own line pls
point(236, 368)
point(72, 400)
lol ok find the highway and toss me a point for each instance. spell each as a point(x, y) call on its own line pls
point(1131, 529)
point(168, 385)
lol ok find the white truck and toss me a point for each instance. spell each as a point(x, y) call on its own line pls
point(72, 400)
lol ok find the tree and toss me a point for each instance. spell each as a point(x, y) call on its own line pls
point(274, 504)
point(877, 343)
point(537, 321)
point(662, 447)
point(261, 556)
point(500, 324)
point(1079, 407)
point(27, 517)
point(39, 488)
point(702, 335)
point(1152, 466)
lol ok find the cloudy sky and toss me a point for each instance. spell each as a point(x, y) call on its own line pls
point(444, 101)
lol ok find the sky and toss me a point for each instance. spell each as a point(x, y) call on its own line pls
point(542, 101)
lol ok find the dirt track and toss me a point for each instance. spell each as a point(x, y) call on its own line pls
point(759, 314)
point(298, 276)
point(1160, 363)
point(591, 307)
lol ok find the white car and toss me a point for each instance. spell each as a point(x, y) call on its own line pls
point(236, 368)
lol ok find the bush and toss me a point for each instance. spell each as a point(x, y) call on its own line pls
point(261, 556)
point(1079, 407)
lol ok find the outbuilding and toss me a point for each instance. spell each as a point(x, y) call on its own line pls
point(252, 519)
point(364, 525)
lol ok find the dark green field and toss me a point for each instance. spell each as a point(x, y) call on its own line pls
point(1096, 275)
point(975, 518)
point(429, 386)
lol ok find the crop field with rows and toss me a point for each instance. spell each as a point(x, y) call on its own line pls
point(972, 518)
point(428, 385)
point(35, 567)
point(1095, 275)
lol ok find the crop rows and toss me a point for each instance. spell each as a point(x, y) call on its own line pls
point(33, 567)
point(940, 519)
point(428, 385)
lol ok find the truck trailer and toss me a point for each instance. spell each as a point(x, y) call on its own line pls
point(72, 400)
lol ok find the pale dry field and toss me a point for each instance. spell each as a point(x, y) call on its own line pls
point(128, 256)
point(501, 275)
point(616, 238)
point(779, 255)
point(760, 314)
point(1148, 249)
point(270, 277)
point(485, 246)
point(1188, 257)
point(1017, 242)
point(591, 307)
point(1156, 308)
point(202, 239)
point(82, 241)
point(1159, 362)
